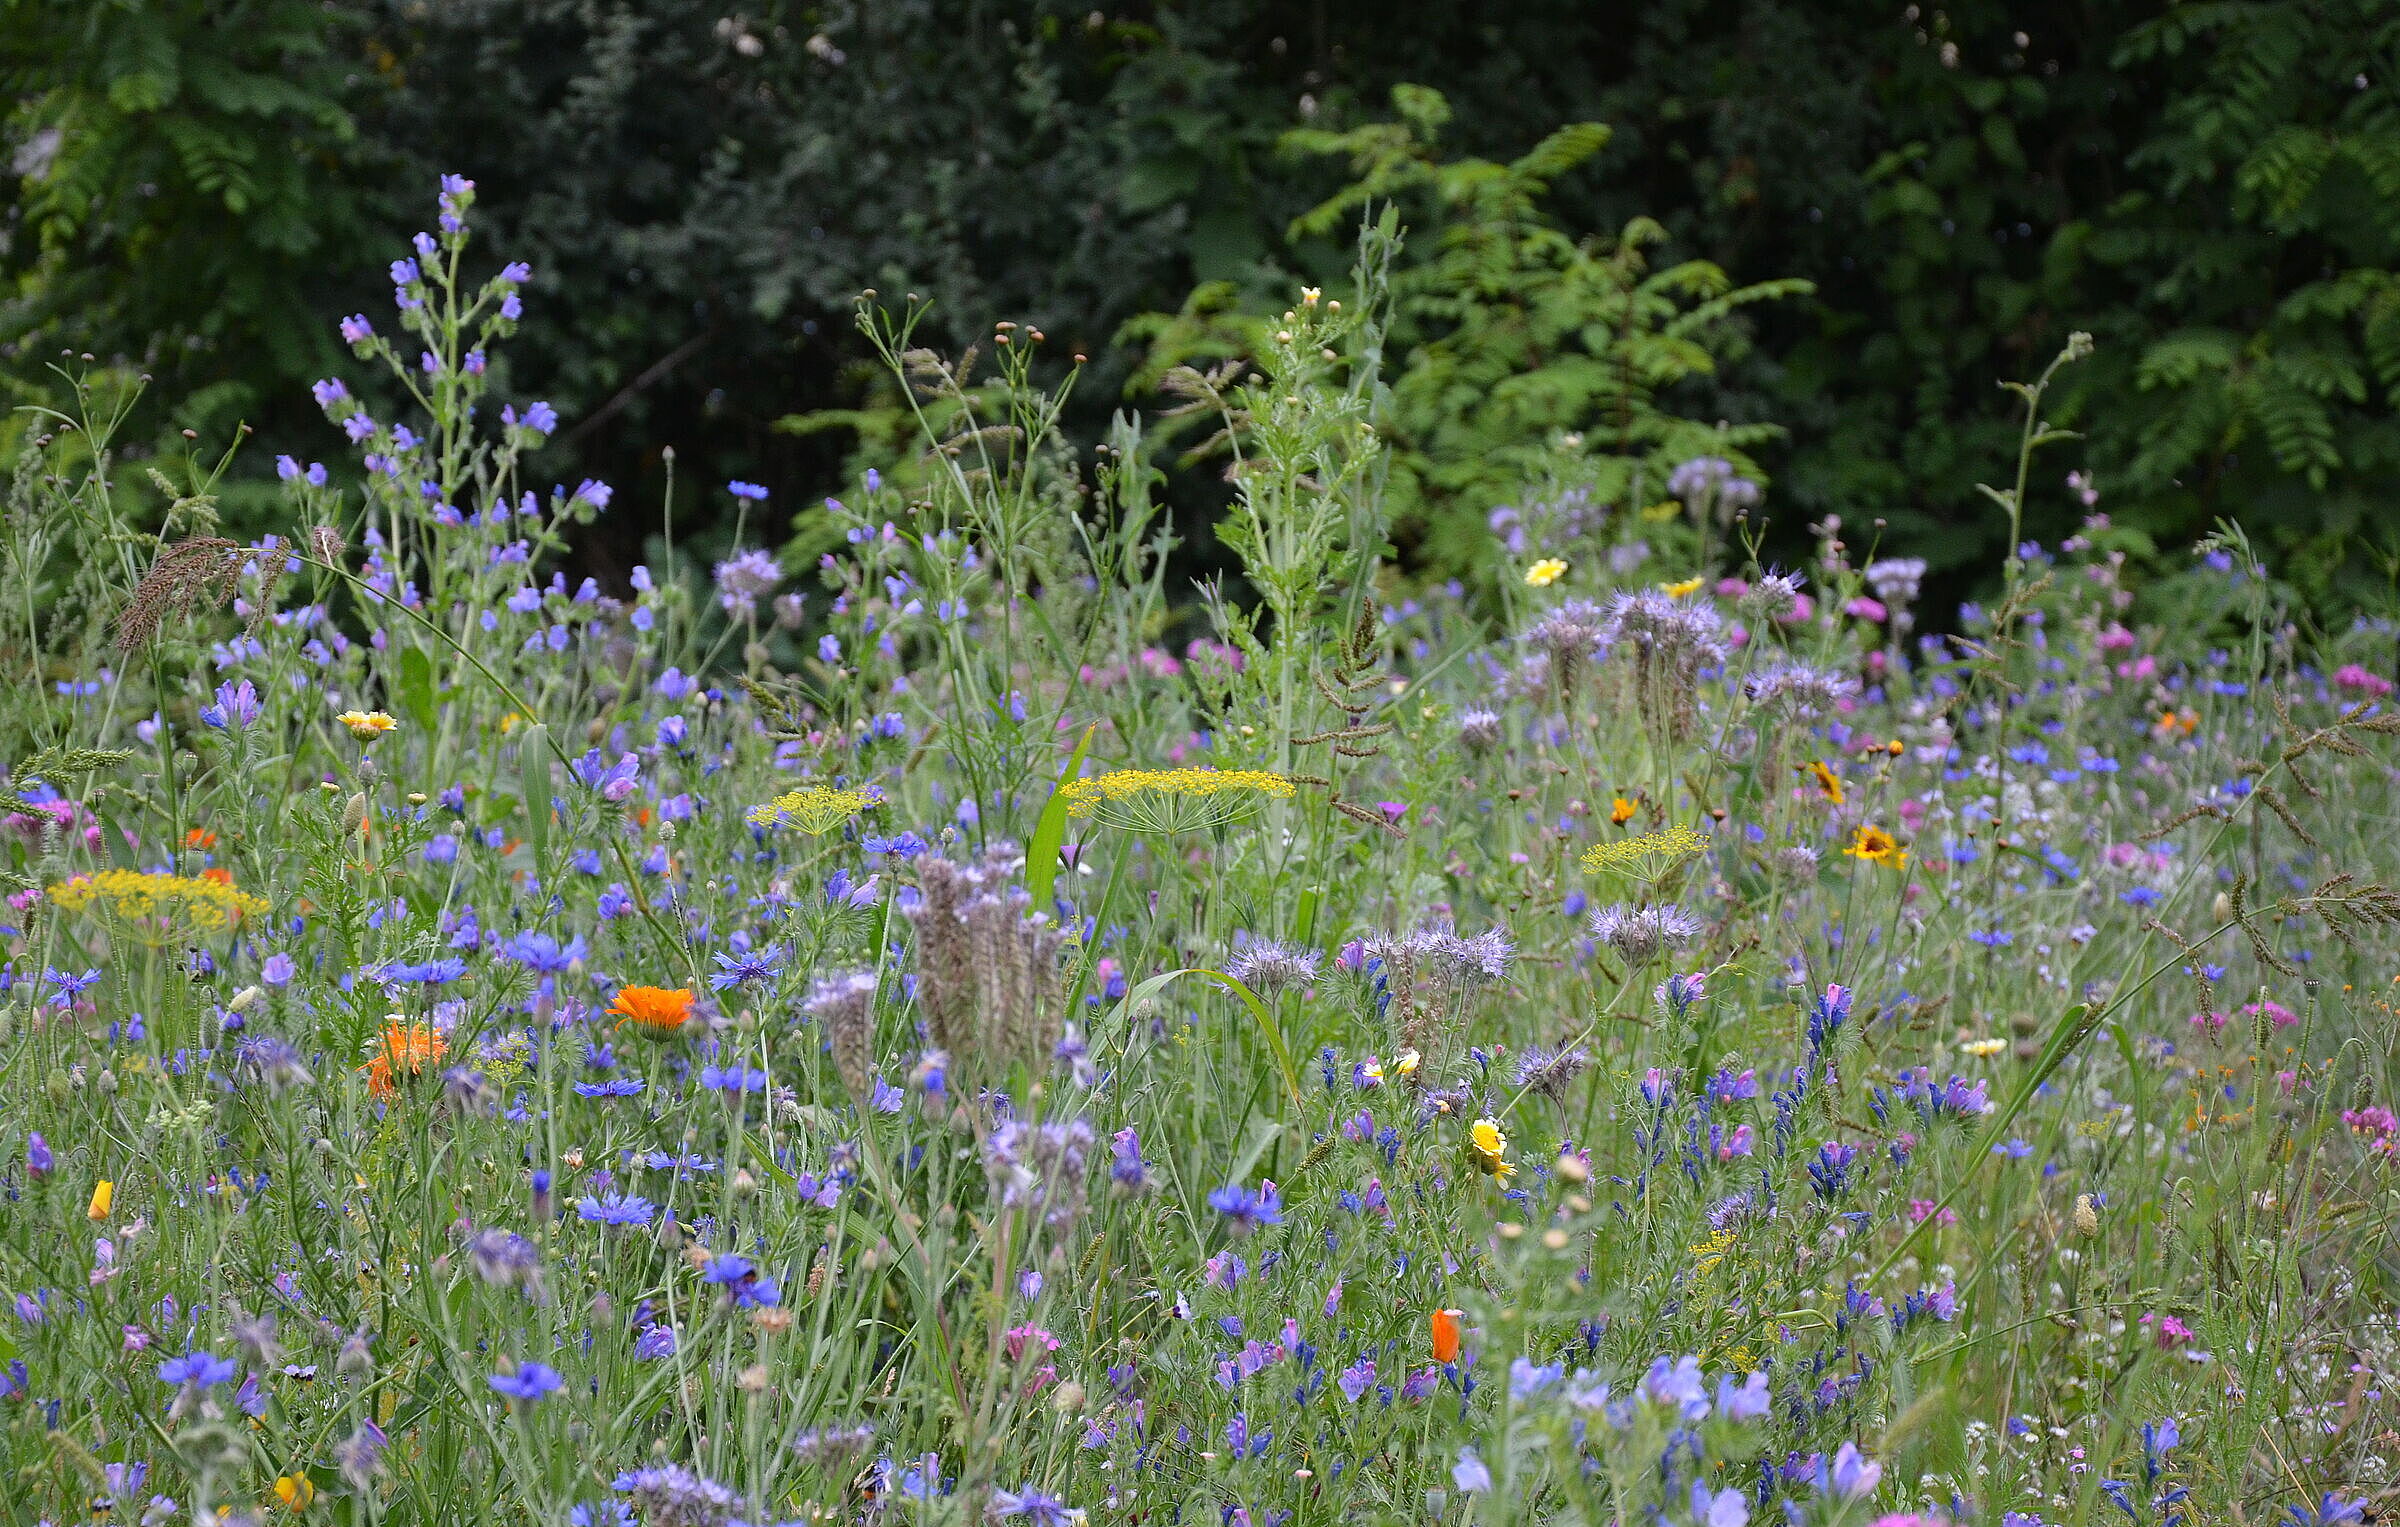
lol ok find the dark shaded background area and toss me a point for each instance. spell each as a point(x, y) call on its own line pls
point(202, 186)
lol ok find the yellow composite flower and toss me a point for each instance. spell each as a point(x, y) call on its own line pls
point(1827, 781)
point(367, 725)
point(1646, 855)
point(1546, 572)
point(295, 1491)
point(156, 907)
point(816, 810)
point(1173, 800)
point(1620, 811)
point(1875, 845)
point(1491, 1149)
point(1689, 585)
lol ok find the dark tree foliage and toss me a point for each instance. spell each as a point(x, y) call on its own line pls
point(202, 186)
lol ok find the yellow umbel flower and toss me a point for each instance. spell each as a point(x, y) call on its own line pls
point(816, 810)
point(1490, 1148)
point(1546, 572)
point(1709, 1253)
point(156, 907)
point(1646, 855)
point(367, 725)
point(1173, 800)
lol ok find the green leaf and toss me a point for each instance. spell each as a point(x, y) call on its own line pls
point(1265, 1020)
point(1263, 1133)
point(414, 692)
point(533, 765)
point(767, 1162)
point(1050, 830)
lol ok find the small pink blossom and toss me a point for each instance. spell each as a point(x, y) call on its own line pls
point(2359, 680)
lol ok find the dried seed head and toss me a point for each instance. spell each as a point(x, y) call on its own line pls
point(186, 574)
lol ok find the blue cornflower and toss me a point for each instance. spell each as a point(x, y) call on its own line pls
point(529, 1384)
point(615, 1209)
point(614, 1087)
point(734, 1078)
point(70, 987)
point(539, 951)
point(1245, 1209)
point(726, 1268)
point(201, 1370)
point(1037, 1509)
point(757, 967)
point(749, 490)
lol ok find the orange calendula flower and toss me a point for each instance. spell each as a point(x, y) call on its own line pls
point(1446, 1332)
point(1872, 843)
point(200, 837)
point(2170, 722)
point(1827, 781)
point(404, 1051)
point(653, 1010)
point(1620, 811)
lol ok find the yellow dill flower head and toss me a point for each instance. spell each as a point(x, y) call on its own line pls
point(1679, 590)
point(816, 810)
point(1490, 1148)
point(156, 907)
point(1546, 572)
point(1173, 800)
point(1707, 1254)
point(367, 725)
point(1646, 855)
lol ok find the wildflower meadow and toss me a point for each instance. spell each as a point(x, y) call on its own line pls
point(951, 1018)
